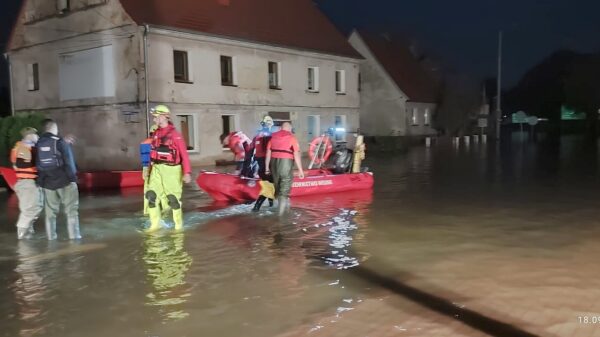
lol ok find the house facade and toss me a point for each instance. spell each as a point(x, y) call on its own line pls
point(97, 66)
point(398, 97)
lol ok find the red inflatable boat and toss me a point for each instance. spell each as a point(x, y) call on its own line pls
point(229, 187)
point(91, 180)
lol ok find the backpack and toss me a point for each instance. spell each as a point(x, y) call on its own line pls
point(48, 156)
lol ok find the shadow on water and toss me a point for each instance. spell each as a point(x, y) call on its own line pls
point(483, 323)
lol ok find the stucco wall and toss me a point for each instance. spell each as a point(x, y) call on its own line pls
point(207, 100)
point(109, 129)
point(383, 105)
point(250, 67)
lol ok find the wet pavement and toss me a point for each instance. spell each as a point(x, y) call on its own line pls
point(474, 241)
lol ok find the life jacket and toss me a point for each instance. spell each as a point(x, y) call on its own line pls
point(22, 158)
point(163, 148)
point(259, 143)
point(48, 156)
point(282, 145)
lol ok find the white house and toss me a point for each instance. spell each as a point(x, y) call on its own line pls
point(398, 97)
point(96, 66)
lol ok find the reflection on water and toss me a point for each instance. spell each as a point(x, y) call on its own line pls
point(502, 231)
point(167, 262)
point(30, 290)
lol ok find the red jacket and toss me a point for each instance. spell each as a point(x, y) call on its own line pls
point(178, 143)
point(238, 143)
point(259, 144)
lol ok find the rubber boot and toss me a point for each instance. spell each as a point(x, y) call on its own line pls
point(154, 214)
point(178, 219)
point(261, 199)
point(24, 233)
point(73, 228)
point(51, 228)
point(282, 205)
point(270, 202)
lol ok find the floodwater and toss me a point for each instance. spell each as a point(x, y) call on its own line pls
point(475, 241)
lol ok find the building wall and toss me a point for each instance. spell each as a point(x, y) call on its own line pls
point(422, 124)
point(383, 104)
point(109, 129)
point(385, 110)
point(205, 98)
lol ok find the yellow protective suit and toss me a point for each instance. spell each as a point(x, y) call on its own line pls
point(163, 192)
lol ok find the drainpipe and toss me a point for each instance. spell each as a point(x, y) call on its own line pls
point(146, 31)
point(10, 84)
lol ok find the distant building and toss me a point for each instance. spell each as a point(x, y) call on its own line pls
point(220, 65)
point(398, 96)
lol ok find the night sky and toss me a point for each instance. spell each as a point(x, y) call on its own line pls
point(460, 34)
point(463, 34)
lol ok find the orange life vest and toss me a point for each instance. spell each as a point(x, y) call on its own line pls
point(26, 153)
point(282, 143)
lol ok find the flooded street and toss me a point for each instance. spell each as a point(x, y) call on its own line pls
point(471, 241)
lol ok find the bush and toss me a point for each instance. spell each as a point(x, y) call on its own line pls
point(10, 132)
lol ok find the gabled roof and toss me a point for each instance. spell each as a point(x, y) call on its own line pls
point(291, 23)
point(394, 55)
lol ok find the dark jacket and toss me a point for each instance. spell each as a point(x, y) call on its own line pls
point(62, 176)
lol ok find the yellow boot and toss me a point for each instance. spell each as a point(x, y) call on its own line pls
point(155, 217)
point(178, 219)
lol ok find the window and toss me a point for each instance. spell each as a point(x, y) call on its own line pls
point(33, 77)
point(76, 69)
point(180, 66)
point(340, 81)
point(313, 79)
point(314, 126)
point(228, 125)
point(186, 127)
point(275, 75)
point(227, 77)
point(63, 6)
point(340, 128)
point(415, 117)
point(359, 82)
point(279, 117)
point(426, 117)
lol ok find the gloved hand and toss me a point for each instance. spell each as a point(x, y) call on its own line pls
point(187, 178)
point(145, 172)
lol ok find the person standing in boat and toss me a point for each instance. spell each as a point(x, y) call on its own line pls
point(169, 169)
point(57, 176)
point(283, 151)
point(259, 146)
point(31, 201)
point(239, 144)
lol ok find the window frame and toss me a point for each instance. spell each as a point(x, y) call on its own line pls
point(343, 137)
point(341, 83)
point(233, 123)
point(415, 116)
point(231, 65)
point(33, 77)
point(194, 143)
point(277, 85)
point(315, 80)
point(186, 67)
